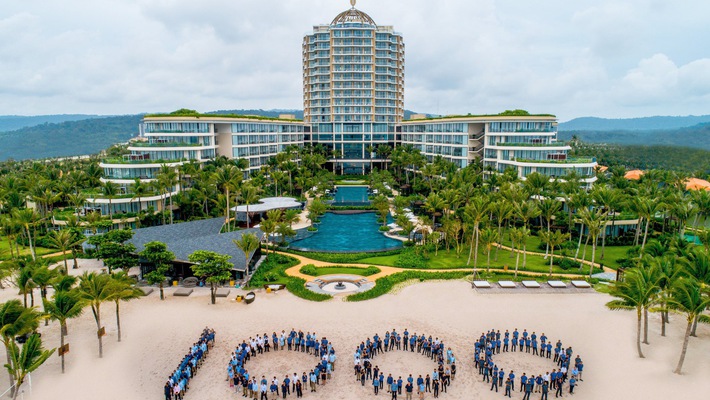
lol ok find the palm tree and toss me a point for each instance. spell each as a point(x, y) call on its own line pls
point(15, 320)
point(609, 200)
point(548, 209)
point(648, 207)
point(489, 237)
point(27, 218)
point(25, 360)
point(95, 289)
point(502, 210)
point(248, 243)
point(384, 152)
point(669, 270)
point(121, 289)
point(65, 305)
point(110, 191)
point(285, 231)
point(227, 178)
point(552, 240)
point(433, 204)
point(268, 226)
point(166, 179)
point(249, 195)
point(634, 292)
point(689, 298)
point(140, 190)
point(42, 277)
point(64, 240)
point(474, 213)
point(291, 217)
point(594, 221)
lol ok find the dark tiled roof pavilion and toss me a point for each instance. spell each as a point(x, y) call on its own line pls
point(184, 238)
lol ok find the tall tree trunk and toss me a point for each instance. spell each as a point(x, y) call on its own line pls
point(645, 234)
point(162, 296)
point(579, 245)
point(517, 260)
point(594, 251)
point(638, 332)
point(584, 253)
point(118, 320)
point(645, 325)
point(12, 379)
point(61, 342)
point(525, 255)
point(470, 250)
point(226, 213)
point(638, 231)
point(686, 338)
point(32, 249)
point(552, 257)
point(695, 326)
point(97, 316)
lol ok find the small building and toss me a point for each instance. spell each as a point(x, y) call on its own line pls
point(258, 210)
point(185, 238)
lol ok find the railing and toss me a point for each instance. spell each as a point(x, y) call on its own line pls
point(516, 144)
point(578, 160)
point(143, 161)
point(166, 144)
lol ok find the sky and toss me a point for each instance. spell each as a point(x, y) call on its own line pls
point(605, 58)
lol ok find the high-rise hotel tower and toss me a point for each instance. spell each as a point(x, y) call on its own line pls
point(353, 88)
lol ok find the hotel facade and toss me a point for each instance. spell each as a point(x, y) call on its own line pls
point(353, 102)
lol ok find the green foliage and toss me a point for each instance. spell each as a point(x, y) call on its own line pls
point(272, 270)
point(661, 157)
point(342, 258)
point(309, 269)
point(385, 284)
point(297, 287)
point(411, 258)
point(565, 263)
point(312, 270)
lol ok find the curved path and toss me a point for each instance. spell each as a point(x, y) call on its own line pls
point(585, 262)
point(387, 270)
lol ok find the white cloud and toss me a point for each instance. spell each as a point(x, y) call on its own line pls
point(605, 58)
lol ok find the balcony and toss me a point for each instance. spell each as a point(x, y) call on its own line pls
point(139, 159)
point(576, 160)
point(167, 144)
point(515, 144)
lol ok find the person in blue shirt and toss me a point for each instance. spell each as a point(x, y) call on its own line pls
point(376, 384)
point(390, 382)
point(393, 389)
point(508, 386)
point(528, 389)
point(494, 384)
point(506, 342)
point(523, 381)
point(572, 384)
point(399, 385)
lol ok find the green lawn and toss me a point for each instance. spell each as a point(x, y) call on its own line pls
point(611, 253)
point(25, 251)
point(449, 260)
point(320, 271)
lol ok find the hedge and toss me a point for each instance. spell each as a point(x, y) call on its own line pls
point(385, 284)
point(341, 257)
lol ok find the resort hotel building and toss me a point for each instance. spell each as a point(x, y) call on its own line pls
point(353, 102)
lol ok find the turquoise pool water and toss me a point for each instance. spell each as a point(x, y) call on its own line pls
point(350, 195)
point(692, 239)
point(346, 233)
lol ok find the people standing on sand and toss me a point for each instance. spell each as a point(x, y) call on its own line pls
point(376, 384)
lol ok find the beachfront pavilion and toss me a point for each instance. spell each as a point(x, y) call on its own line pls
point(185, 238)
point(258, 211)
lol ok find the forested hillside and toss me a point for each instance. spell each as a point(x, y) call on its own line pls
point(632, 124)
point(68, 138)
point(13, 122)
point(697, 137)
point(671, 158)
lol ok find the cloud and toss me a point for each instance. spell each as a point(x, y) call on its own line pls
point(606, 58)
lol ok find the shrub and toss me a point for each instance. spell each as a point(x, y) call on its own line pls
point(312, 229)
point(309, 269)
point(385, 284)
point(384, 228)
point(297, 287)
point(565, 263)
point(410, 258)
point(273, 269)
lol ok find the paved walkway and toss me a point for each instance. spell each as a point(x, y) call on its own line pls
point(387, 270)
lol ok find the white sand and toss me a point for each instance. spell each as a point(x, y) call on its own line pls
point(156, 335)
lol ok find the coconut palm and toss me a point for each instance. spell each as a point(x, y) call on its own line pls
point(669, 269)
point(689, 298)
point(64, 305)
point(552, 240)
point(166, 179)
point(110, 191)
point(42, 277)
point(15, 320)
point(64, 240)
point(292, 216)
point(489, 237)
point(635, 292)
point(248, 243)
point(502, 210)
point(27, 218)
point(268, 226)
point(122, 289)
point(249, 195)
point(548, 209)
point(25, 360)
point(284, 230)
point(474, 213)
point(227, 178)
point(95, 289)
point(433, 204)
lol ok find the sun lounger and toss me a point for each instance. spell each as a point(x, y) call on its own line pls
point(222, 292)
point(507, 284)
point(557, 284)
point(531, 284)
point(183, 292)
point(581, 284)
point(147, 290)
point(481, 284)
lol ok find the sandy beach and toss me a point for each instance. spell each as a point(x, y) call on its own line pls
point(157, 333)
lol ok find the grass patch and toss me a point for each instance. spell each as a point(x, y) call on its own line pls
point(312, 270)
point(273, 271)
point(24, 251)
point(449, 260)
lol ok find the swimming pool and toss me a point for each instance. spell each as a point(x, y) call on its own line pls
point(347, 233)
point(351, 195)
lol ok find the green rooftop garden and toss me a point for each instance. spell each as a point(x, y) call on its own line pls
point(507, 113)
point(184, 112)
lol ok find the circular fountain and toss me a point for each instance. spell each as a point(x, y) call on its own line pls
point(339, 284)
